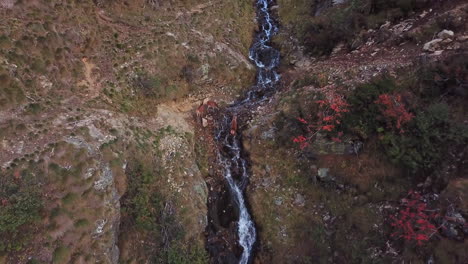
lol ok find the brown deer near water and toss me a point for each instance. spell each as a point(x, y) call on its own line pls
point(203, 109)
point(212, 104)
point(234, 125)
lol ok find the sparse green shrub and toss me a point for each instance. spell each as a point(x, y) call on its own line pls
point(422, 139)
point(33, 108)
point(287, 125)
point(61, 255)
point(363, 116)
point(177, 254)
point(38, 66)
point(69, 198)
point(4, 41)
point(140, 202)
point(20, 206)
point(193, 58)
point(81, 223)
point(305, 81)
point(321, 33)
point(10, 91)
point(449, 77)
point(429, 137)
point(150, 86)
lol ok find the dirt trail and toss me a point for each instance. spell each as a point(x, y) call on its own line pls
point(90, 80)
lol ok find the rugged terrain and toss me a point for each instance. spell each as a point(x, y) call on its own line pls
point(103, 160)
point(331, 197)
point(97, 132)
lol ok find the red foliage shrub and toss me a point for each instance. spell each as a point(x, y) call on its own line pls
point(394, 110)
point(414, 220)
point(328, 117)
point(301, 140)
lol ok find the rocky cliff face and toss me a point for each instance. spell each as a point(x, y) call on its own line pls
point(96, 101)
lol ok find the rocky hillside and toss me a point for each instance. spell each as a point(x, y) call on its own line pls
point(359, 157)
point(98, 156)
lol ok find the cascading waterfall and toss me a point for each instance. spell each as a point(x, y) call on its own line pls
point(227, 206)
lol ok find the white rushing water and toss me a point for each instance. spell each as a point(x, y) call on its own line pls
point(234, 165)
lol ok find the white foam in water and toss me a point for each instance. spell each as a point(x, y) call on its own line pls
point(266, 58)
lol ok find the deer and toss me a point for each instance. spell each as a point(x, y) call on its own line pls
point(233, 125)
point(212, 104)
point(201, 112)
point(203, 109)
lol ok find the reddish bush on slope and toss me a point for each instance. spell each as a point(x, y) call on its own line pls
point(394, 110)
point(414, 221)
point(328, 117)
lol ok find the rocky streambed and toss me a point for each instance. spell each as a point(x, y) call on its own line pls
point(231, 230)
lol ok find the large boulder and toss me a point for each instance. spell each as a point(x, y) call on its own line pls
point(445, 34)
point(432, 45)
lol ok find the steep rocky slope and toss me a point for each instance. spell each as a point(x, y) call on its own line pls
point(330, 173)
point(98, 160)
point(104, 161)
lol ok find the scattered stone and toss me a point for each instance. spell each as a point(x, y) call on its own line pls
point(447, 41)
point(453, 225)
point(450, 231)
point(89, 173)
point(438, 52)
point(267, 182)
point(299, 200)
point(204, 122)
point(323, 174)
point(100, 224)
point(304, 63)
point(357, 146)
point(105, 180)
point(402, 27)
point(456, 217)
point(337, 49)
point(430, 260)
point(423, 14)
point(432, 45)
point(386, 25)
point(444, 34)
point(338, 2)
point(462, 38)
point(269, 134)
point(456, 46)
point(278, 201)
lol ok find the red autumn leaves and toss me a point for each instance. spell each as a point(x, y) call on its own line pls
point(414, 220)
point(329, 116)
point(333, 107)
point(331, 110)
point(394, 110)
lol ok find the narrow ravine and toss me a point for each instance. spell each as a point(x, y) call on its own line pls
point(231, 230)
